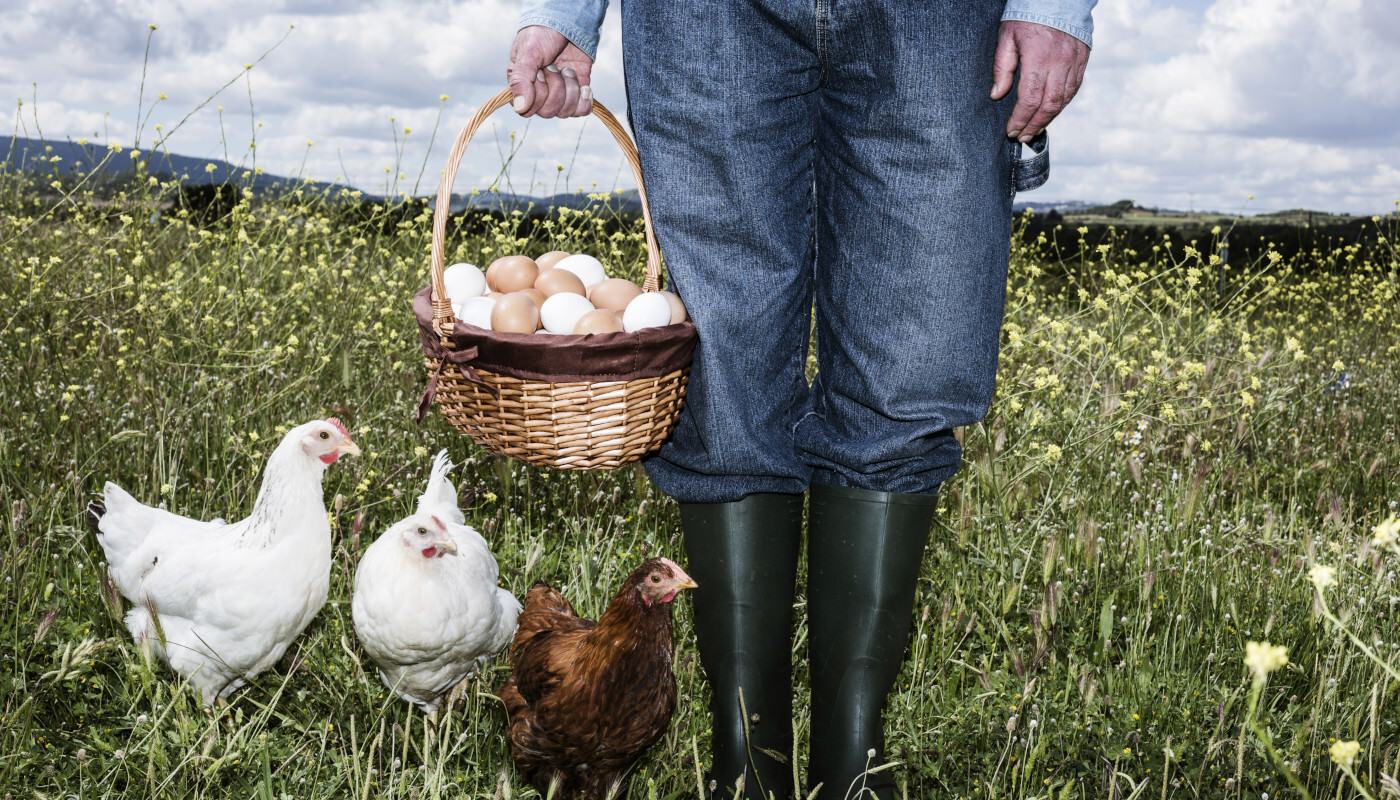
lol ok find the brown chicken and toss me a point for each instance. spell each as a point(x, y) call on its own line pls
point(586, 698)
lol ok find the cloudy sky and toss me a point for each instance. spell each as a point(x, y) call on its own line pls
point(1188, 104)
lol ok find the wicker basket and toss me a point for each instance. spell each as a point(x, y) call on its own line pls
point(594, 401)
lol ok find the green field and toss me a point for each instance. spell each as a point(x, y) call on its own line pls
point(1174, 446)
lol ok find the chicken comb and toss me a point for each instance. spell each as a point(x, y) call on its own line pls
point(338, 425)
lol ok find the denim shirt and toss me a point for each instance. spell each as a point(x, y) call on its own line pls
point(579, 20)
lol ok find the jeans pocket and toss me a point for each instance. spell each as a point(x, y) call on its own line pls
point(1030, 163)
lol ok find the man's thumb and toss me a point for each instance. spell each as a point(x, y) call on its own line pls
point(521, 80)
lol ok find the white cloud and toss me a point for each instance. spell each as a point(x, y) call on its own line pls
point(1276, 98)
point(1186, 103)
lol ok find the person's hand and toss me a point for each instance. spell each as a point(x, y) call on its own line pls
point(1052, 67)
point(548, 75)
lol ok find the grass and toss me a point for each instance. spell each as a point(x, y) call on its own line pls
point(1174, 445)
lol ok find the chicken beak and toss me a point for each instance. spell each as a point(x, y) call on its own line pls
point(445, 544)
point(684, 581)
point(348, 448)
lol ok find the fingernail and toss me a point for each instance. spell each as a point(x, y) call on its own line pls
point(552, 68)
point(568, 72)
point(519, 104)
point(1026, 139)
point(539, 76)
point(1016, 134)
point(586, 92)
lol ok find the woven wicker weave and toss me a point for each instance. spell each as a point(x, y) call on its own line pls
point(622, 391)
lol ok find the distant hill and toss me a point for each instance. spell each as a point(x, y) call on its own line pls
point(1128, 212)
point(71, 160)
point(1062, 206)
point(624, 203)
point(1071, 233)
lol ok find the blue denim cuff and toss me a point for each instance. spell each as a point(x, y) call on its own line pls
point(1074, 17)
point(578, 20)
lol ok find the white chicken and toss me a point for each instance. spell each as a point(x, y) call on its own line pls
point(220, 602)
point(426, 605)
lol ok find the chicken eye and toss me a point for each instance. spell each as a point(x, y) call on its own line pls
point(422, 531)
point(655, 578)
point(325, 435)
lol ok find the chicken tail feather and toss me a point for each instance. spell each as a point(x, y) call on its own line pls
point(95, 511)
point(120, 523)
point(543, 597)
point(440, 496)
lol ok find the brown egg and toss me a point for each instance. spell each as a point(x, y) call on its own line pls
point(601, 320)
point(490, 273)
point(536, 295)
point(613, 293)
point(554, 281)
point(547, 261)
point(677, 307)
point(512, 273)
point(515, 313)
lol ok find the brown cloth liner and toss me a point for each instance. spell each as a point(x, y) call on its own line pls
point(549, 358)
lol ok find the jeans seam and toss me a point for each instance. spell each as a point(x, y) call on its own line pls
point(823, 13)
point(1015, 169)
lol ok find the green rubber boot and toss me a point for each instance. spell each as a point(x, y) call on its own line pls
point(744, 556)
point(864, 550)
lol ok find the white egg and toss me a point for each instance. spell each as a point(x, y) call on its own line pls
point(463, 281)
point(647, 310)
point(475, 311)
point(560, 312)
point(587, 268)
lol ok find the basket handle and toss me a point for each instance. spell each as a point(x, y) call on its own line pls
point(443, 319)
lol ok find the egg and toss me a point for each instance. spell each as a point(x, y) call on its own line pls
point(648, 310)
point(561, 312)
point(512, 273)
point(613, 293)
point(587, 268)
point(678, 313)
point(547, 261)
point(602, 320)
point(462, 281)
point(554, 281)
point(475, 311)
point(515, 313)
point(536, 295)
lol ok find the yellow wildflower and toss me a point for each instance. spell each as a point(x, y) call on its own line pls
point(1263, 658)
point(1322, 576)
point(1345, 753)
point(1387, 533)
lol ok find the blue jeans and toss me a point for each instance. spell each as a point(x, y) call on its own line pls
point(835, 163)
